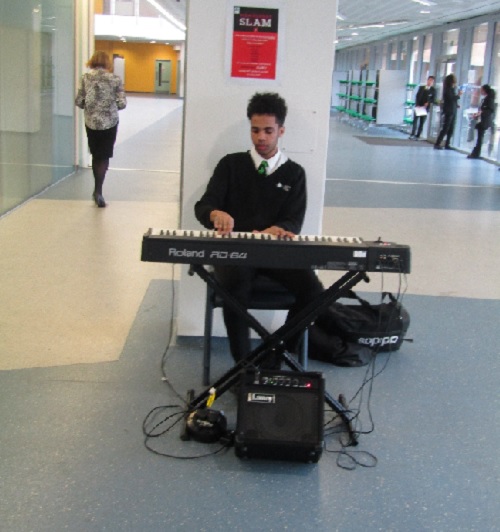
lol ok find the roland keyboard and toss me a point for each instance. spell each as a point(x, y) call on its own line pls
point(266, 251)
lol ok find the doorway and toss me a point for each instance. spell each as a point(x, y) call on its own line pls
point(163, 75)
point(119, 67)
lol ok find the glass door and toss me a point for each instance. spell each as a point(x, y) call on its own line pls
point(471, 97)
point(163, 73)
point(446, 64)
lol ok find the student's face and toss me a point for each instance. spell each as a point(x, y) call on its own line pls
point(430, 82)
point(265, 133)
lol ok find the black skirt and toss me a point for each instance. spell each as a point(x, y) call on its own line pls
point(101, 142)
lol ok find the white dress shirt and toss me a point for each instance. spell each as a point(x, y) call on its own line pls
point(272, 164)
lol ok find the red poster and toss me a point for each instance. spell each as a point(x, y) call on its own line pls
point(255, 43)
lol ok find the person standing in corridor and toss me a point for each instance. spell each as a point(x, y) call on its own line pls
point(425, 97)
point(449, 108)
point(101, 96)
point(486, 115)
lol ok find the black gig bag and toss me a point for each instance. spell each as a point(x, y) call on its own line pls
point(380, 327)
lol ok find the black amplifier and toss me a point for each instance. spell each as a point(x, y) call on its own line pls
point(280, 415)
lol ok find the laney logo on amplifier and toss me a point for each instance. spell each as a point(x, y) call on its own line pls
point(267, 398)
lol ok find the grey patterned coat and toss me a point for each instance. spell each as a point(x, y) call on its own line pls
point(101, 96)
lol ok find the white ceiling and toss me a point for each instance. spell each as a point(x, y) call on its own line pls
point(396, 16)
point(401, 16)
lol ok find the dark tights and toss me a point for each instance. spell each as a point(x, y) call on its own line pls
point(99, 169)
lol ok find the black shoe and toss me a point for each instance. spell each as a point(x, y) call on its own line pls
point(99, 200)
point(437, 147)
point(473, 156)
point(411, 137)
point(448, 148)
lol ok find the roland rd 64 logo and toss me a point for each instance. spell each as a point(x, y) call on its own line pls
point(214, 255)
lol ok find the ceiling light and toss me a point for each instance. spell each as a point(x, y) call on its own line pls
point(427, 3)
point(352, 27)
point(425, 12)
point(340, 17)
point(167, 15)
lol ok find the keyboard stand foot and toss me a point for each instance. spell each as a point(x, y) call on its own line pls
point(185, 434)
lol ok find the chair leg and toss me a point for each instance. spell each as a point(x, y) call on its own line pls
point(207, 336)
point(304, 343)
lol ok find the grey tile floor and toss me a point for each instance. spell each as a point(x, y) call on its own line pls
point(72, 455)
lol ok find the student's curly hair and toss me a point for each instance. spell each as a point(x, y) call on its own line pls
point(267, 103)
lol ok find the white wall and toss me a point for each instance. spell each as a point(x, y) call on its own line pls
point(391, 97)
point(215, 113)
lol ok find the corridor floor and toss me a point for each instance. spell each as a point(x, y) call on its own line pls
point(88, 349)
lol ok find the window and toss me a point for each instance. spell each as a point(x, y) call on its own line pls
point(403, 56)
point(414, 60)
point(37, 114)
point(495, 60)
point(425, 72)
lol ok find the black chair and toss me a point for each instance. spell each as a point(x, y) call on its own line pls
point(266, 295)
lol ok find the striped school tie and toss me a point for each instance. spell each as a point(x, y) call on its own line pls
point(262, 168)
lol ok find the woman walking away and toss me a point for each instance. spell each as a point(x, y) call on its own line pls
point(449, 107)
point(101, 96)
point(486, 114)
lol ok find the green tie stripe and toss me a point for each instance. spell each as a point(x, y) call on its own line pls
point(262, 168)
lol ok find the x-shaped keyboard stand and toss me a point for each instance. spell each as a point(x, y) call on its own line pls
point(275, 342)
